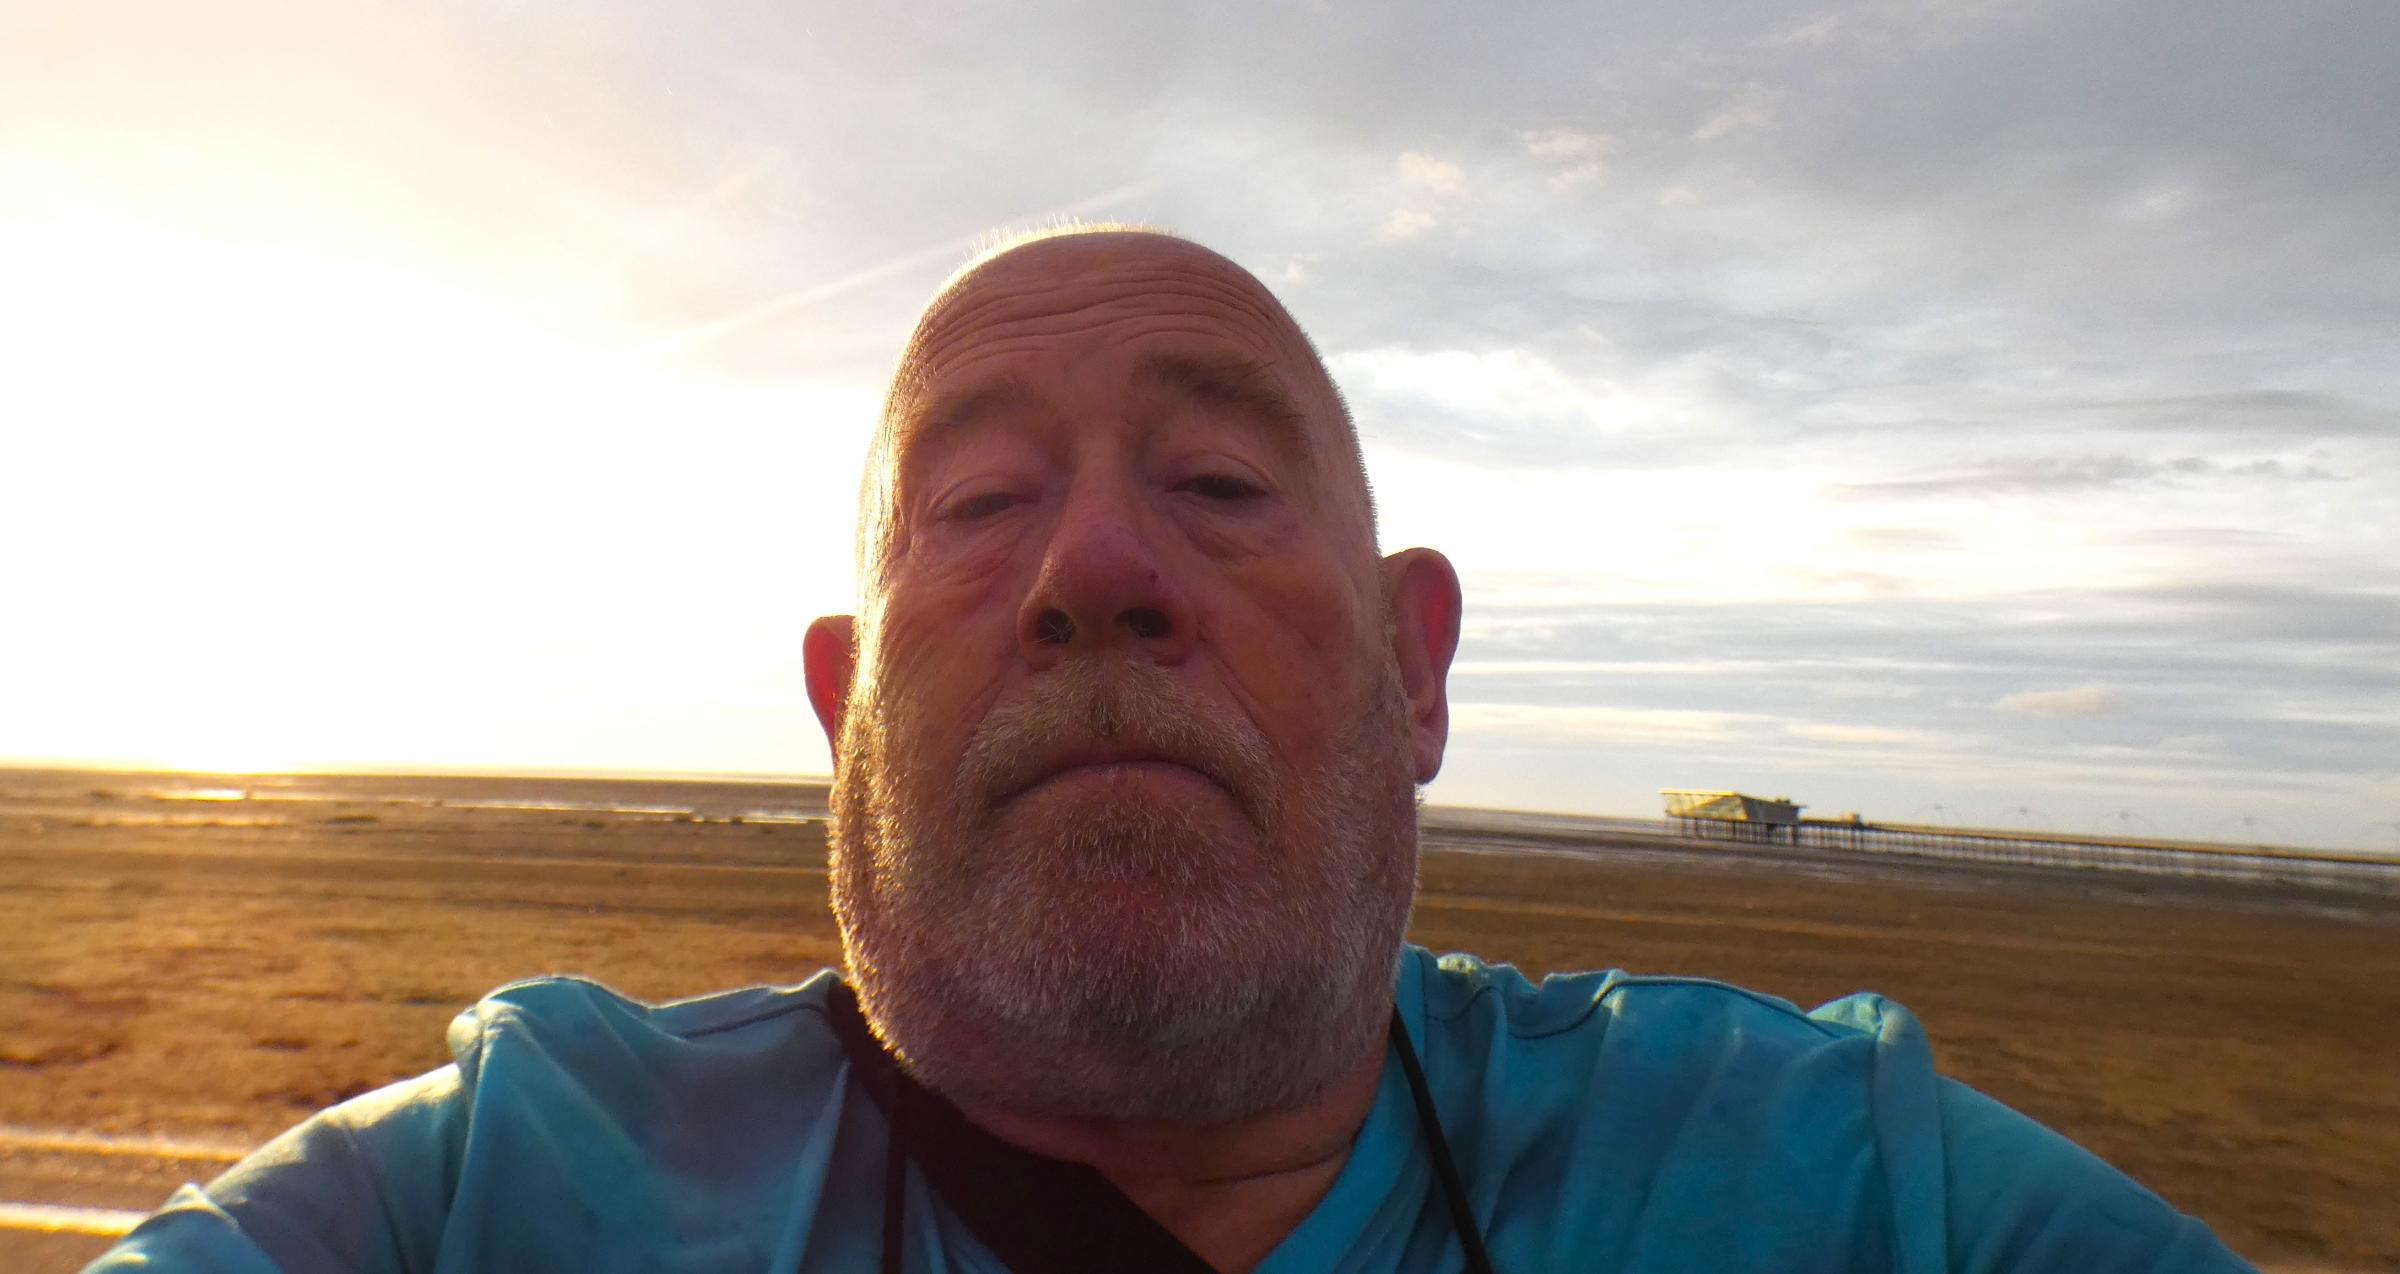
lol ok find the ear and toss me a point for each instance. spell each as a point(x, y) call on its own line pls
point(830, 656)
point(1422, 591)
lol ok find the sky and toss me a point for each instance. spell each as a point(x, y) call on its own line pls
point(1965, 412)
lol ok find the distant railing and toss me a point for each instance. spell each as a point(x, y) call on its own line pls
point(2275, 863)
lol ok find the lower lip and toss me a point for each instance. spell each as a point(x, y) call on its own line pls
point(1146, 773)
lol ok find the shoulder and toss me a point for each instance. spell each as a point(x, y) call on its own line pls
point(1671, 1062)
point(1678, 1123)
point(589, 1081)
point(568, 1103)
point(1716, 1101)
point(577, 1021)
point(1671, 1015)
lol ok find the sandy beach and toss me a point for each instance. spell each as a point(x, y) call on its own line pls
point(188, 965)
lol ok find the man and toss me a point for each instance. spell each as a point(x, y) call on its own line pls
point(1127, 733)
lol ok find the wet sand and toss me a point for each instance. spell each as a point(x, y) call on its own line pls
point(210, 970)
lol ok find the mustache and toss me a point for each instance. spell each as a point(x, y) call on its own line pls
point(1133, 707)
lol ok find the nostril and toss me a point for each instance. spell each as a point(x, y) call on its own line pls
point(1146, 622)
point(1054, 628)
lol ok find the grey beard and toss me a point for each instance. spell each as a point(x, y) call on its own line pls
point(1264, 984)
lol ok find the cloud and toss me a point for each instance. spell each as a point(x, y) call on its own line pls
point(1492, 408)
point(2037, 475)
point(2250, 412)
point(2208, 537)
point(2307, 678)
point(1996, 254)
point(1823, 732)
point(1555, 721)
point(1577, 175)
point(1904, 537)
point(1424, 172)
point(2083, 701)
point(1816, 31)
point(1575, 157)
point(1567, 145)
point(1404, 224)
point(2361, 614)
point(1734, 117)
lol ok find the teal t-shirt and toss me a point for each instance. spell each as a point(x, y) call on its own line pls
point(1602, 1122)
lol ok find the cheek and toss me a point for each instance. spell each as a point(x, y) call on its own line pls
point(948, 642)
point(1300, 650)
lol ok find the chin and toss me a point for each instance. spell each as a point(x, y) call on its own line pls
point(1115, 837)
point(1117, 894)
point(1133, 943)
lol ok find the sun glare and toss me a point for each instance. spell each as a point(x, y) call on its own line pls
point(260, 756)
point(309, 510)
point(145, 328)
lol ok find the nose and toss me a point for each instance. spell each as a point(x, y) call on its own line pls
point(1104, 587)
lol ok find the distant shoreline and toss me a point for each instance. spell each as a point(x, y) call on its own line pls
point(722, 793)
point(386, 772)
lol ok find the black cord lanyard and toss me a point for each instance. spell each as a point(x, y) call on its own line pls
point(1454, 1189)
point(960, 1159)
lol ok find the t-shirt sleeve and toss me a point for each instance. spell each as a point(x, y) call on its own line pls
point(2022, 1199)
point(363, 1188)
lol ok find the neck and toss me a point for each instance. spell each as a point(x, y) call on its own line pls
point(1230, 1191)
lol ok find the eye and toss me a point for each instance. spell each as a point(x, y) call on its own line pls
point(977, 508)
point(1221, 487)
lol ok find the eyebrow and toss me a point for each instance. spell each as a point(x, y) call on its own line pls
point(1241, 384)
point(961, 406)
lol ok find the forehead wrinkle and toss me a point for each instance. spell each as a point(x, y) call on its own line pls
point(1249, 386)
point(1246, 380)
point(1022, 299)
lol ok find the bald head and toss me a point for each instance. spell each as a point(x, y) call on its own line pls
point(1069, 294)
